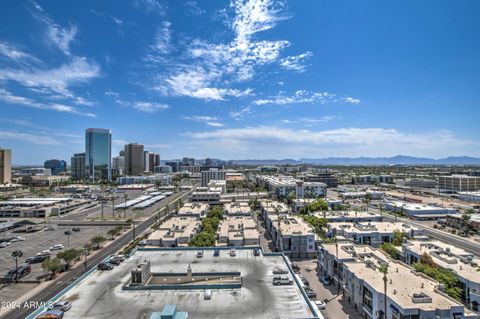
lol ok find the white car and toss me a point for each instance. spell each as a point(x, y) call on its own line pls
point(4, 244)
point(320, 304)
point(57, 247)
point(18, 238)
point(44, 252)
point(207, 295)
point(282, 281)
point(233, 253)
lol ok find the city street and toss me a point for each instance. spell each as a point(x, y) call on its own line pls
point(337, 307)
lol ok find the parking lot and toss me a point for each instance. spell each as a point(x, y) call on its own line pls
point(336, 306)
point(36, 242)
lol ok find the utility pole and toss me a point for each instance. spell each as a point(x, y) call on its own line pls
point(133, 230)
point(16, 254)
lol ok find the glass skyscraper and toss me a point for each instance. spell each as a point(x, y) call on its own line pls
point(98, 153)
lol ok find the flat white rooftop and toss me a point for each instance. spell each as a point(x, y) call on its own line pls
point(100, 295)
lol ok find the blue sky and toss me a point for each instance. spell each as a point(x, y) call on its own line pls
point(241, 79)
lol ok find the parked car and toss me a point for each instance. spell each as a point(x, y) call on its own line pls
point(19, 272)
point(233, 253)
point(50, 228)
point(256, 252)
point(200, 254)
point(45, 252)
point(114, 261)
point(76, 228)
point(18, 238)
point(325, 280)
point(304, 281)
point(105, 266)
point(142, 242)
point(310, 293)
point(63, 305)
point(37, 259)
point(51, 314)
point(282, 281)
point(207, 295)
point(320, 304)
point(4, 244)
point(57, 247)
point(216, 253)
point(120, 258)
point(279, 271)
point(67, 232)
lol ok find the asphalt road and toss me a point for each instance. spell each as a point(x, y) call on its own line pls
point(58, 285)
point(440, 235)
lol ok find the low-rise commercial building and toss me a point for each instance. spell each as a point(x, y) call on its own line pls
point(39, 207)
point(356, 270)
point(417, 210)
point(216, 185)
point(199, 210)
point(43, 181)
point(375, 195)
point(417, 183)
point(457, 220)
point(237, 209)
point(459, 183)
point(469, 196)
point(463, 264)
point(238, 231)
point(174, 232)
point(157, 179)
point(371, 233)
point(371, 179)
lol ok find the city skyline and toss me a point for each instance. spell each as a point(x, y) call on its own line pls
point(234, 80)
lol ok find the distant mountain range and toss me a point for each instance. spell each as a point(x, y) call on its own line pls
point(395, 160)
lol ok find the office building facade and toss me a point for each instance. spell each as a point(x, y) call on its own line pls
point(459, 183)
point(151, 160)
point(56, 166)
point(134, 162)
point(98, 154)
point(5, 166)
point(212, 174)
point(173, 164)
point(77, 166)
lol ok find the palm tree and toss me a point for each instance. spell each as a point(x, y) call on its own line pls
point(384, 270)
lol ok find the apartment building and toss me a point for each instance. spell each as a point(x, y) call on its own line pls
point(356, 270)
point(292, 236)
point(268, 206)
point(238, 231)
point(463, 264)
point(175, 232)
point(212, 174)
point(371, 233)
point(237, 209)
point(459, 183)
point(198, 210)
point(283, 185)
point(350, 216)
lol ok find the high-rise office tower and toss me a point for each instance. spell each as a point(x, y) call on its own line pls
point(98, 153)
point(77, 166)
point(151, 160)
point(56, 166)
point(118, 165)
point(134, 163)
point(5, 166)
point(173, 164)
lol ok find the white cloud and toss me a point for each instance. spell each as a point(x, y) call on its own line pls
point(193, 8)
point(56, 80)
point(13, 52)
point(27, 137)
point(151, 6)
point(162, 38)
point(208, 120)
point(10, 98)
point(237, 115)
point(56, 34)
point(307, 121)
point(206, 68)
point(271, 141)
point(149, 107)
point(305, 97)
point(297, 62)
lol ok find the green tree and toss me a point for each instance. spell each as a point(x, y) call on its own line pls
point(390, 250)
point(52, 265)
point(466, 217)
point(112, 233)
point(398, 237)
point(69, 255)
point(97, 240)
